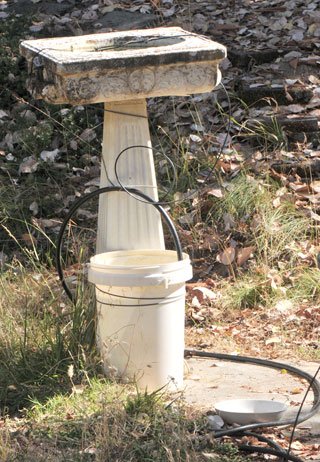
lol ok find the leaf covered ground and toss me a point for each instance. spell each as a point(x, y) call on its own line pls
point(50, 155)
point(247, 161)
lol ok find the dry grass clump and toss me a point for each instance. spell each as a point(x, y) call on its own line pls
point(104, 421)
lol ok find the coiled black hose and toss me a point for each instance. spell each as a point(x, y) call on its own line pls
point(133, 192)
point(315, 385)
point(278, 451)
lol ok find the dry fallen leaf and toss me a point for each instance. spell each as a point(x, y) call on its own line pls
point(49, 156)
point(216, 192)
point(203, 294)
point(195, 303)
point(297, 445)
point(50, 223)
point(244, 254)
point(315, 186)
point(188, 218)
point(88, 135)
point(169, 12)
point(284, 306)
point(209, 242)
point(227, 256)
point(228, 221)
point(34, 207)
point(28, 239)
point(28, 165)
point(296, 391)
point(273, 340)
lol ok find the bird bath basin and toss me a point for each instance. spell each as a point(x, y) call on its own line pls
point(122, 69)
point(122, 65)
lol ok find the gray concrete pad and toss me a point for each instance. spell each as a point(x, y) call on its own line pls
point(208, 381)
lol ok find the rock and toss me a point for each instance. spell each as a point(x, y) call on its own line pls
point(215, 422)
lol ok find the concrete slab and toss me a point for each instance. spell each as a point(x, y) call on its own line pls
point(208, 381)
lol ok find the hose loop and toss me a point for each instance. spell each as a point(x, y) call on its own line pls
point(97, 192)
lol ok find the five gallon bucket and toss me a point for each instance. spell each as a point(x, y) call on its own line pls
point(140, 314)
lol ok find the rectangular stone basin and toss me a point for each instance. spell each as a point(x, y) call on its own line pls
point(123, 65)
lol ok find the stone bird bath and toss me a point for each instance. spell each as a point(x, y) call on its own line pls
point(122, 69)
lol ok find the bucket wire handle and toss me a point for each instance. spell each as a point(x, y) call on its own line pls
point(97, 192)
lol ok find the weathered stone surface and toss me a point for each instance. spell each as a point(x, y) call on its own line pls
point(121, 65)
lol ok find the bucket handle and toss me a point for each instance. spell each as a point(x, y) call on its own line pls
point(97, 192)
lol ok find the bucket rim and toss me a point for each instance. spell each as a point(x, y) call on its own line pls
point(140, 252)
point(140, 273)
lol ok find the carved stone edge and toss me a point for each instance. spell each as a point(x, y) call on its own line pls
point(179, 80)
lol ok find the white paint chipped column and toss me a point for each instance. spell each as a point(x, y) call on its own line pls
point(123, 222)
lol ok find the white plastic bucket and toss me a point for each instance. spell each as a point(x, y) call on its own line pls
point(140, 314)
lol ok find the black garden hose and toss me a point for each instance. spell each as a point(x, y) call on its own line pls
point(281, 454)
point(97, 192)
point(315, 385)
point(242, 430)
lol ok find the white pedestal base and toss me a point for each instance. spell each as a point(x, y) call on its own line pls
point(125, 223)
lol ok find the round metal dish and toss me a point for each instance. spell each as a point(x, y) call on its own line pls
point(248, 411)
